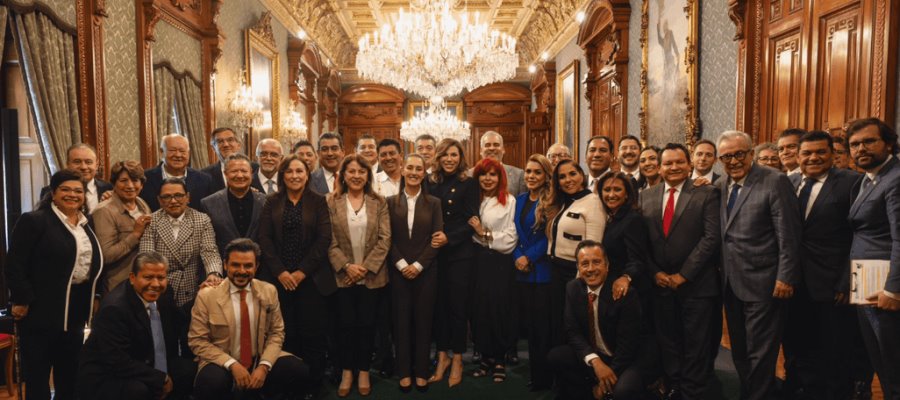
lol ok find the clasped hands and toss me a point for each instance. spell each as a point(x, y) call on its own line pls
point(290, 280)
point(671, 281)
point(354, 273)
point(245, 380)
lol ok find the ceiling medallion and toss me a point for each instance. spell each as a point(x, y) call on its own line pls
point(436, 121)
point(433, 51)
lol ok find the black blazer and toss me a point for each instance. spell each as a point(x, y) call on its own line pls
point(120, 346)
point(316, 239)
point(426, 221)
point(619, 322)
point(825, 248)
point(197, 185)
point(692, 248)
point(625, 242)
point(39, 269)
point(218, 209)
point(216, 180)
point(459, 202)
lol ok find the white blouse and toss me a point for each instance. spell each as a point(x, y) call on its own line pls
point(500, 220)
point(84, 251)
point(356, 222)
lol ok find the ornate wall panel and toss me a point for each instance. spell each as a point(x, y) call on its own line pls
point(370, 108)
point(717, 69)
point(121, 87)
point(604, 38)
point(181, 50)
point(541, 121)
point(500, 107)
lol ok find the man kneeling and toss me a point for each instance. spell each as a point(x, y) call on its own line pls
point(237, 333)
point(602, 335)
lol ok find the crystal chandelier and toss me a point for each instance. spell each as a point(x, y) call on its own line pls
point(246, 111)
point(294, 129)
point(432, 52)
point(436, 121)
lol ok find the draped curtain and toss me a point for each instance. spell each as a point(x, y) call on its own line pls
point(48, 59)
point(179, 110)
point(163, 90)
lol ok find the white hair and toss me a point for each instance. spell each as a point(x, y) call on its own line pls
point(162, 141)
point(268, 140)
point(732, 135)
point(557, 146)
point(491, 133)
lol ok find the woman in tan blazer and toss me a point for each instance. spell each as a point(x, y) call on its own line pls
point(361, 238)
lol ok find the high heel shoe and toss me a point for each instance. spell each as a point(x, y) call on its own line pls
point(364, 390)
point(344, 391)
point(441, 369)
point(407, 388)
point(456, 371)
point(423, 387)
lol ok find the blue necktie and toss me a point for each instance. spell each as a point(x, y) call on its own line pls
point(159, 343)
point(735, 190)
point(805, 192)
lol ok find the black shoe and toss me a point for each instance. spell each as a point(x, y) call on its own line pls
point(512, 358)
point(405, 389)
point(862, 390)
point(672, 394)
point(476, 357)
point(421, 389)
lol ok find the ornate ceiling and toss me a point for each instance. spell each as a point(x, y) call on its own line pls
point(337, 25)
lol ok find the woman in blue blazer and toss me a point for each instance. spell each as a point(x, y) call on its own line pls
point(534, 209)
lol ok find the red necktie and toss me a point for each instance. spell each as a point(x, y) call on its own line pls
point(669, 212)
point(246, 344)
point(592, 321)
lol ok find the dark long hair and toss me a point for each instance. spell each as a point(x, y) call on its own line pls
point(342, 188)
point(285, 163)
point(631, 202)
point(63, 175)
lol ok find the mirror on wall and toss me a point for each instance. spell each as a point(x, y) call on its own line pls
point(261, 66)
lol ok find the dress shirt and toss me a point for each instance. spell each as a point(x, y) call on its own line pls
point(176, 224)
point(665, 198)
point(385, 186)
point(91, 197)
point(222, 164)
point(329, 179)
point(265, 181)
point(145, 302)
point(794, 171)
point(241, 211)
point(871, 176)
point(166, 175)
point(592, 182)
point(410, 218)
point(84, 252)
point(356, 222)
point(236, 329)
point(500, 220)
point(602, 347)
point(731, 185)
point(817, 187)
point(708, 176)
point(636, 174)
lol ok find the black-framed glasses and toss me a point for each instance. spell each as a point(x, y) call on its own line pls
point(738, 155)
point(170, 197)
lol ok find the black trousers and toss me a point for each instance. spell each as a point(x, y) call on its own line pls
point(561, 272)
point(492, 323)
point(450, 317)
point(357, 306)
point(413, 311)
point(384, 329)
point(683, 337)
point(42, 350)
point(534, 317)
point(755, 329)
point(881, 334)
point(306, 319)
point(181, 370)
point(215, 383)
point(575, 379)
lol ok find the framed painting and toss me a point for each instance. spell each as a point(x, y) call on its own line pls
point(567, 105)
point(416, 107)
point(262, 61)
point(669, 85)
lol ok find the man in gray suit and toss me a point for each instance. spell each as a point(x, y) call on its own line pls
point(684, 232)
point(492, 147)
point(234, 211)
point(331, 152)
point(760, 248)
point(875, 220)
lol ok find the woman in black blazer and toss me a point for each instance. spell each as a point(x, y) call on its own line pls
point(294, 235)
point(459, 196)
point(413, 273)
point(625, 237)
point(52, 270)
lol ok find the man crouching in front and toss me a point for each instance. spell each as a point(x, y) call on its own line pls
point(237, 332)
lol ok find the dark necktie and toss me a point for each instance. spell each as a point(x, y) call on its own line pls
point(270, 186)
point(159, 342)
point(592, 321)
point(805, 192)
point(669, 213)
point(866, 185)
point(735, 191)
point(246, 345)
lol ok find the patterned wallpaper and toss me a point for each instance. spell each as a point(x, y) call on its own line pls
point(120, 57)
point(565, 56)
point(178, 48)
point(234, 18)
point(65, 9)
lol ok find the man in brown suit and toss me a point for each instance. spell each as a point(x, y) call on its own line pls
point(237, 332)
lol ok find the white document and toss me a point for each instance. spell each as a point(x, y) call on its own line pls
point(867, 277)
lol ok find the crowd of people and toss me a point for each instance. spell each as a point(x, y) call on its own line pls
point(262, 278)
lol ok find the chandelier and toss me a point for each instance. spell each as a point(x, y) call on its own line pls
point(294, 129)
point(432, 52)
point(246, 111)
point(436, 121)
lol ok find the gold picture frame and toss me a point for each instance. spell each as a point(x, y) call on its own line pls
point(669, 70)
point(568, 95)
point(262, 68)
point(416, 106)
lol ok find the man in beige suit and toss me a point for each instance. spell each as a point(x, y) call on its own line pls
point(237, 332)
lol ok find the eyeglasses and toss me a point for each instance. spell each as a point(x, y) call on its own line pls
point(170, 197)
point(767, 159)
point(867, 143)
point(738, 155)
point(68, 190)
point(226, 140)
point(269, 154)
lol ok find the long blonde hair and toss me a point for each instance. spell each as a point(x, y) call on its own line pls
point(546, 208)
point(437, 173)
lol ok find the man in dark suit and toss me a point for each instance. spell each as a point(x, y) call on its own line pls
point(82, 157)
point(132, 352)
point(875, 220)
point(602, 336)
point(225, 143)
point(703, 158)
point(684, 228)
point(760, 256)
point(331, 153)
point(630, 148)
point(599, 155)
point(176, 152)
point(234, 211)
point(816, 334)
point(269, 152)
